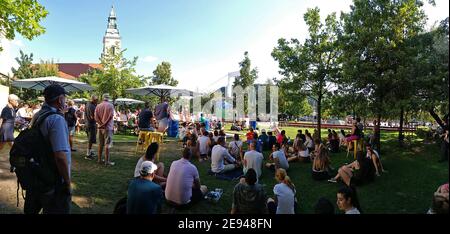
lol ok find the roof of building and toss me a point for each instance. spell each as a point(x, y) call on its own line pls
point(74, 70)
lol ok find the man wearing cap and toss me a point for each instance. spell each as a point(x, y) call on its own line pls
point(54, 129)
point(7, 119)
point(104, 114)
point(145, 196)
point(91, 127)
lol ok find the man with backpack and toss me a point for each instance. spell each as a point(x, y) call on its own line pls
point(71, 119)
point(45, 175)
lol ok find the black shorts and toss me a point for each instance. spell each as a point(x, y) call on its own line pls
point(91, 132)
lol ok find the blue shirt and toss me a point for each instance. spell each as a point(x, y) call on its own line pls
point(144, 197)
point(54, 128)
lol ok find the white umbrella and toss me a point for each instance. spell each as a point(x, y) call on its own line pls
point(127, 101)
point(42, 82)
point(160, 91)
point(80, 100)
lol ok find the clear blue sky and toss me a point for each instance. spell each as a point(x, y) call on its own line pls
point(202, 39)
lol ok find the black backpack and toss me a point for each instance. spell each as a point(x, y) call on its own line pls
point(31, 158)
point(71, 117)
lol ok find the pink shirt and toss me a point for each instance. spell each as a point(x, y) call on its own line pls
point(180, 181)
point(104, 113)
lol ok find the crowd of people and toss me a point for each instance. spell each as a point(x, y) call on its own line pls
point(180, 186)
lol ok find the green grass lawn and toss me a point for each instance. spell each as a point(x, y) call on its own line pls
point(414, 175)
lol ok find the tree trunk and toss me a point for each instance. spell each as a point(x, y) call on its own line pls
point(437, 118)
point(319, 115)
point(400, 131)
point(378, 133)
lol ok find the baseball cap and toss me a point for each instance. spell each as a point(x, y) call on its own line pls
point(263, 130)
point(147, 167)
point(106, 96)
point(53, 91)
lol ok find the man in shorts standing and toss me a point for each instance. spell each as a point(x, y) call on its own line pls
point(91, 126)
point(104, 114)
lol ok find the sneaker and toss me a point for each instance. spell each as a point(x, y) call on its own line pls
point(90, 157)
point(332, 180)
point(109, 163)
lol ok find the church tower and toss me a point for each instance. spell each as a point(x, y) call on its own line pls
point(112, 37)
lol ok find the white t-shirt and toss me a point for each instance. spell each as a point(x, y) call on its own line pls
point(281, 158)
point(254, 160)
point(304, 154)
point(203, 144)
point(22, 112)
point(235, 148)
point(285, 198)
point(353, 211)
point(309, 142)
point(218, 154)
point(216, 138)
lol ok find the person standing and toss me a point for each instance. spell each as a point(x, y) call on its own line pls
point(71, 120)
point(444, 143)
point(7, 119)
point(104, 114)
point(91, 126)
point(162, 112)
point(54, 130)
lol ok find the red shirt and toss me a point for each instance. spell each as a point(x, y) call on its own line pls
point(280, 139)
point(250, 136)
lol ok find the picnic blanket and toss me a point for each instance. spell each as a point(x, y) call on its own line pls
point(231, 175)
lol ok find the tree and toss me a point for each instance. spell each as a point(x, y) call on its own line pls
point(163, 75)
point(310, 68)
point(247, 75)
point(22, 17)
point(117, 75)
point(374, 46)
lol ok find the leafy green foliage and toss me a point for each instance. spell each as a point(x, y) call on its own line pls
point(163, 75)
point(21, 16)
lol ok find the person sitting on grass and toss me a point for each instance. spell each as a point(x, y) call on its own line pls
point(152, 150)
point(235, 148)
point(219, 156)
point(222, 134)
point(144, 196)
point(360, 172)
point(296, 144)
point(281, 137)
point(318, 146)
point(253, 159)
point(278, 158)
point(203, 145)
point(272, 140)
point(216, 135)
point(183, 187)
point(302, 154)
point(301, 135)
point(334, 142)
point(309, 143)
point(321, 166)
point(375, 158)
point(440, 201)
point(347, 200)
point(324, 206)
point(342, 138)
point(250, 135)
point(264, 139)
point(249, 197)
point(285, 200)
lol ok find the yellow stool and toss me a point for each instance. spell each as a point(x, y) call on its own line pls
point(357, 146)
point(156, 137)
point(143, 141)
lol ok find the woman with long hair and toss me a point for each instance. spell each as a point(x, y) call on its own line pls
point(321, 166)
point(347, 200)
point(284, 201)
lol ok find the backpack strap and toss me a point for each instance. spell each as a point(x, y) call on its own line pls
point(40, 119)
